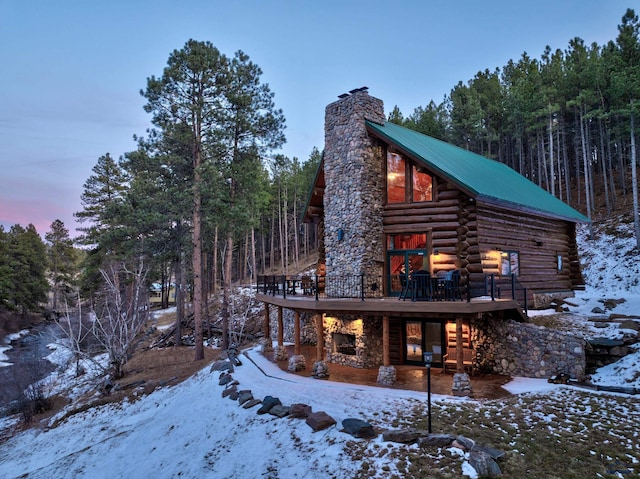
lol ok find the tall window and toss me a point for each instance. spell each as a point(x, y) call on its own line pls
point(422, 185)
point(396, 179)
point(407, 182)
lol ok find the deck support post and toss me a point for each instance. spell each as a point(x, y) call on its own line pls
point(320, 368)
point(297, 361)
point(461, 381)
point(281, 352)
point(386, 373)
point(267, 344)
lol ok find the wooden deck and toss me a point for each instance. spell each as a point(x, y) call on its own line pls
point(392, 306)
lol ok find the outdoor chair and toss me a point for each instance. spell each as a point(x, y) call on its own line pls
point(421, 287)
point(308, 287)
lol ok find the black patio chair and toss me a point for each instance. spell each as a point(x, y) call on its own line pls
point(421, 280)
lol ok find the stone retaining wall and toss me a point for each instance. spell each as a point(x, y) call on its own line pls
point(522, 349)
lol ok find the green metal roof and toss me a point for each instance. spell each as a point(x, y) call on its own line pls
point(482, 178)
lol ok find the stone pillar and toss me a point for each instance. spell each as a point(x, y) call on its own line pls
point(297, 362)
point(353, 172)
point(386, 375)
point(461, 381)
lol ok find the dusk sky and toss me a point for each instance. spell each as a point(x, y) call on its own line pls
point(71, 71)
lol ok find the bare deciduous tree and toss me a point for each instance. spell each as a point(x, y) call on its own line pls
point(121, 312)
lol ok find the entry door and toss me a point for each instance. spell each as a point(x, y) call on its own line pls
point(423, 336)
point(401, 265)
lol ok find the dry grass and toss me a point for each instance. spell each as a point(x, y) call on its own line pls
point(564, 434)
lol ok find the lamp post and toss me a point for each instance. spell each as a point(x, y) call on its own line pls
point(428, 358)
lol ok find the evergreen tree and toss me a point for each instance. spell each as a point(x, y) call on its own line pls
point(62, 261)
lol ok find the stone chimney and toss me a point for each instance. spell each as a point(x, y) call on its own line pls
point(353, 172)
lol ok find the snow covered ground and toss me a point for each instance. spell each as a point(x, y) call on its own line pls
point(190, 430)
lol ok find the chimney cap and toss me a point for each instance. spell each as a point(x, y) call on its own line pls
point(364, 88)
point(344, 95)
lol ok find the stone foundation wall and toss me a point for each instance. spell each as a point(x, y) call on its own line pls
point(368, 336)
point(521, 349)
point(308, 333)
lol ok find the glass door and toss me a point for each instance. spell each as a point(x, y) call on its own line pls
point(423, 336)
point(401, 265)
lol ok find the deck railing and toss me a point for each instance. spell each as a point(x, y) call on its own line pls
point(363, 287)
point(505, 287)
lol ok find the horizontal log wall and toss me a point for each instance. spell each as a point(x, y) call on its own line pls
point(537, 240)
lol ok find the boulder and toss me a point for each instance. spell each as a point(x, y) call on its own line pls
point(220, 365)
point(484, 464)
point(465, 442)
point(492, 452)
point(279, 410)
point(230, 390)
point(244, 396)
point(320, 420)
point(630, 324)
point(252, 402)
point(436, 440)
point(358, 428)
point(404, 436)
point(300, 410)
point(267, 403)
point(225, 379)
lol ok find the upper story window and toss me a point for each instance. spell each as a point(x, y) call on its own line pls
point(406, 182)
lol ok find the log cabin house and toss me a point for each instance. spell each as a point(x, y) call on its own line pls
point(425, 247)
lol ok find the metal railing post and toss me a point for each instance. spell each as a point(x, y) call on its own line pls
point(362, 286)
point(513, 286)
point(493, 287)
point(317, 287)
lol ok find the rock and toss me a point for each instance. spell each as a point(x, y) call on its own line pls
point(619, 351)
point(220, 365)
point(436, 440)
point(492, 452)
point(252, 402)
point(320, 420)
point(233, 395)
point(484, 464)
point(296, 363)
point(279, 410)
point(244, 396)
point(225, 379)
point(465, 442)
point(358, 428)
point(300, 411)
point(597, 310)
point(320, 370)
point(404, 436)
point(267, 403)
point(629, 324)
point(230, 390)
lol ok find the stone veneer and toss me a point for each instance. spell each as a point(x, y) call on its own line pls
point(368, 336)
point(522, 349)
point(353, 173)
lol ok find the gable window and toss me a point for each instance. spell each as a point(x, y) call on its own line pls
point(422, 185)
point(509, 263)
point(406, 182)
point(396, 179)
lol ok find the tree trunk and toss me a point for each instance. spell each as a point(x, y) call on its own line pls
point(634, 178)
point(227, 292)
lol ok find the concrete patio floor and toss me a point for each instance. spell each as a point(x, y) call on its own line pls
point(485, 386)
